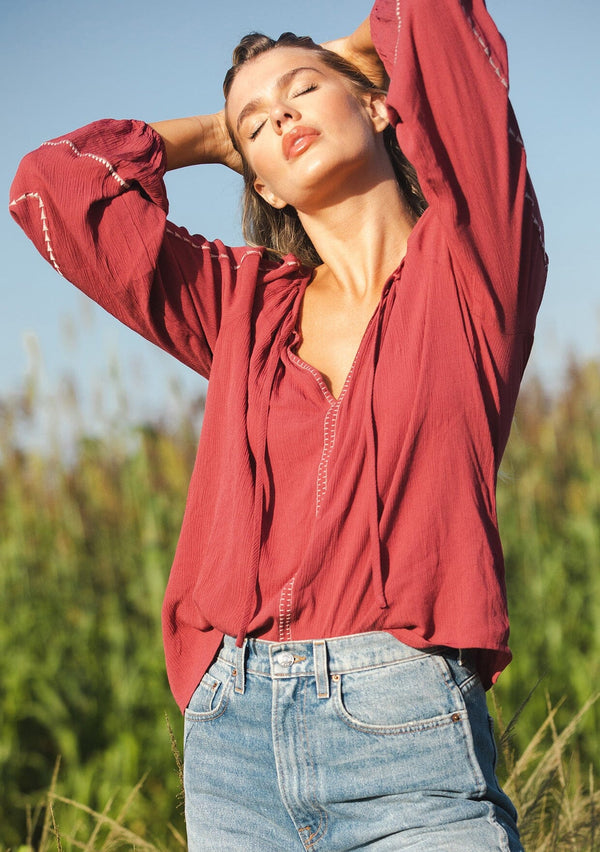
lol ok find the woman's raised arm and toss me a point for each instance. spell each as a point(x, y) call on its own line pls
point(94, 204)
point(448, 101)
point(196, 140)
point(358, 48)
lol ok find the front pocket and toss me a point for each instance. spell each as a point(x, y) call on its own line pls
point(412, 694)
point(211, 696)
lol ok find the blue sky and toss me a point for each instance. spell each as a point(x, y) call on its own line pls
point(67, 62)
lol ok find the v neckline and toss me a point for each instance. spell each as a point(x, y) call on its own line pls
point(299, 362)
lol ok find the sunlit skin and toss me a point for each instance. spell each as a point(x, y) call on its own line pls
point(316, 144)
point(341, 182)
point(288, 88)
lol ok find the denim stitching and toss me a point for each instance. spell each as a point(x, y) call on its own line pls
point(457, 692)
point(277, 755)
point(322, 813)
point(447, 720)
point(191, 718)
point(459, 714)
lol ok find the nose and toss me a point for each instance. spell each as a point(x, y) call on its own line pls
point(281, 114)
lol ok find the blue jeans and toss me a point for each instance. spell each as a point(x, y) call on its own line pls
point(342, 744)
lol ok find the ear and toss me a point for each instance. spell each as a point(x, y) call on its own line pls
point(375, 104)
point(268, 196)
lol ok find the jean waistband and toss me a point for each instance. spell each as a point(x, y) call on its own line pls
point(320, 658)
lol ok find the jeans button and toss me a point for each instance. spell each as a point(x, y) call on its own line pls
point(285, 659)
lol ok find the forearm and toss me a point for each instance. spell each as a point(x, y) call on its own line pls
point(358, 48)
point(196, 140)
point(360, 40)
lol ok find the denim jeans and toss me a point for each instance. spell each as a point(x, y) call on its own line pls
point(333, 745)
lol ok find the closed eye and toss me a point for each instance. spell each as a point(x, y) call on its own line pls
point(257, 130)
point(304, 90)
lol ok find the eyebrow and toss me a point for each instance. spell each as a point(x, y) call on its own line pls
point(282, 82)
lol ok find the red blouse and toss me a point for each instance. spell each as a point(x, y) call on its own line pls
point(309, 517)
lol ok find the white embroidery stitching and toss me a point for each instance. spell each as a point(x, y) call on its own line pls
point(206, 246)
point(329, 434)
point(399, 19)
point(486, 49)
point(511, 130)
point(285, 611)
point(538, 225)
point(329, 423)
point(44, 220)
point(95, 157)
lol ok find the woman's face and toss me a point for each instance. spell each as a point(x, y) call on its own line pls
point(306, 134)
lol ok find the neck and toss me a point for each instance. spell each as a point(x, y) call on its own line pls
point(359, 244)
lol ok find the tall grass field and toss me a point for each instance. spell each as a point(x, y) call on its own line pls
point(89, 733)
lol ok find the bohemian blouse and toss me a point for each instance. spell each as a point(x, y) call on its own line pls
point(309, 516)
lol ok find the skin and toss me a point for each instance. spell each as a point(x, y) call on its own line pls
point(290, 94)
point(336, 174)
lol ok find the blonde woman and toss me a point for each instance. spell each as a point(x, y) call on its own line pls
point(336, 608)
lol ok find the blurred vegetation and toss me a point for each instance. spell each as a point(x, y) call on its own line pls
point(87, 540)
point(549, 514)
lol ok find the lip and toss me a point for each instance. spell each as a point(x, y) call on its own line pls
point(297, 140)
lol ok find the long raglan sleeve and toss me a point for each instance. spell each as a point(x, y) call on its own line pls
point(448, 100)
point(94, 204)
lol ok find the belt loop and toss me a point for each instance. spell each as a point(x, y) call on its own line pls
point(321, 672)
point(240, 668)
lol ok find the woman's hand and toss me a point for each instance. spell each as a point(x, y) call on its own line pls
point(358, 49)
point(198, 139)
point(228, 156)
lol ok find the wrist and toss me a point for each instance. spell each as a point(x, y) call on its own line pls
point(358, 49)
point(196, 140)
point(225, 152)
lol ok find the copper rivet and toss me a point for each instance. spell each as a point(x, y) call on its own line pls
point(234, 672)
point(456, 717)
point(215, 684)
point(335, 678)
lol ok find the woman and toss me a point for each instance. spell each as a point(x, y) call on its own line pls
point(363, 376)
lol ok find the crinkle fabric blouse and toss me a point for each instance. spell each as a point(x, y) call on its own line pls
point(307, 516)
